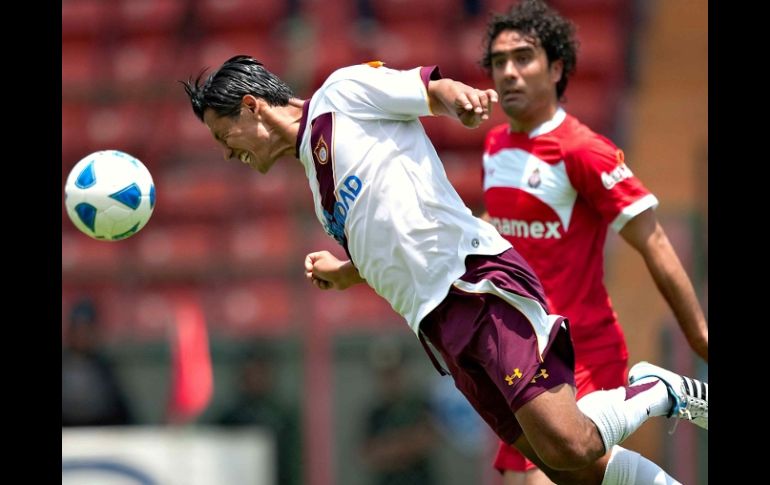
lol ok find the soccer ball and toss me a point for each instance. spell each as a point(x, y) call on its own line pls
point(109, 195)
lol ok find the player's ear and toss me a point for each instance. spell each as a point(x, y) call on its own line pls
point(556, 69)
point(250, 103)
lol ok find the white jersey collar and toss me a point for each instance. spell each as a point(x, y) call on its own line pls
point(548, 126)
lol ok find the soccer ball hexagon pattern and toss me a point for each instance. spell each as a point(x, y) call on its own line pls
point(109, 195)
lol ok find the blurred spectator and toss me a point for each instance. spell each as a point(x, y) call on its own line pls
point(256, 405)
point(399, 430)
point(91, 393)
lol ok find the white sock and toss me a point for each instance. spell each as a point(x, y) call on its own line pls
point(660, 407)
point(628, 467)
point(619, 412)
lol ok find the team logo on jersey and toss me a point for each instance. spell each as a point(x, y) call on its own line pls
point(529, 229)
point(335, 220)
point(321, 151)
point(534, 179)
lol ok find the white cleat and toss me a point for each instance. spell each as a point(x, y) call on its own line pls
point(690, 395)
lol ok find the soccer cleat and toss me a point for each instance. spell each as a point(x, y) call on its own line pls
point(690, 395)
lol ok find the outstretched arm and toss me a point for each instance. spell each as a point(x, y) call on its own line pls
point(327, 272)
point(453, 98)
point(645, 234)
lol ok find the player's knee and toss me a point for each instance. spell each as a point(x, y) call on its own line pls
point(569, 455)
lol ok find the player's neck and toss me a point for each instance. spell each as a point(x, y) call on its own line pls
point(286, 120)
point(530, 121)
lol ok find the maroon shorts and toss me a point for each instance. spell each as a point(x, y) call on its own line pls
point(490, 346)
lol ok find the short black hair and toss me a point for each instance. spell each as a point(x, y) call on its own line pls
point(554, 33)
point(240, 75)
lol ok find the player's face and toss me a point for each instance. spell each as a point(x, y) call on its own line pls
point(242, 137)
point(523, 79)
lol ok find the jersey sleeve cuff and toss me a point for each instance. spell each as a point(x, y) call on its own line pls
point(429, 73)
point(633, 210)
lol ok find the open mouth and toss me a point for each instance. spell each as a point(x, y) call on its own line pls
point(512, 92)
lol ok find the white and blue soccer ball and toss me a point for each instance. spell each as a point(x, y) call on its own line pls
point(109, 195)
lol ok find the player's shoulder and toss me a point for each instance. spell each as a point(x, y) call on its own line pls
point(496, 137)
point(366, 70)
point(498, 132)
point(347, 72)
point(577, 138)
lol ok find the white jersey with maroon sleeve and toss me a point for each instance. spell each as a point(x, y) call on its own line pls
point(552, 193)
point(381, 190)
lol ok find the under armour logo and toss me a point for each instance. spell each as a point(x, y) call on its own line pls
point(543, 373)
point(516, 374)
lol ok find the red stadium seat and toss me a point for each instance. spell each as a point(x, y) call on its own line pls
point(178, 252)
point(285, 187)
point(164, 16)
point(464, 171)
point(153, 311)
point(603, 41)
point(315, 239)
point(194, 137)
point(408, 45)
point(118, 126)
point(80, 66)
point(84, 258)
point(245, 14)
point(83, 18)
point(569, 8)
point(594, 102)
point(261, 244)
point(248, 308)
point(393, 12)
point(202, 191)
point(498, 6)
point(264, 45)
point(355, 308)
point(435, 128)
point(74, 117)
point(468, 48)
point(329, 50)
point(138, 63)
point(161, 142)
point(330, 15)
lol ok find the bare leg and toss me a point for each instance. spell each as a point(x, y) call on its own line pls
point(558, 432)
point(571, 449)
point(591, 475)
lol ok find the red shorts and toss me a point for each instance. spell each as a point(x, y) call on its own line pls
point(607, 375)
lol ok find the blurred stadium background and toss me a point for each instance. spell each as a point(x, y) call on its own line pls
point(231, 243)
